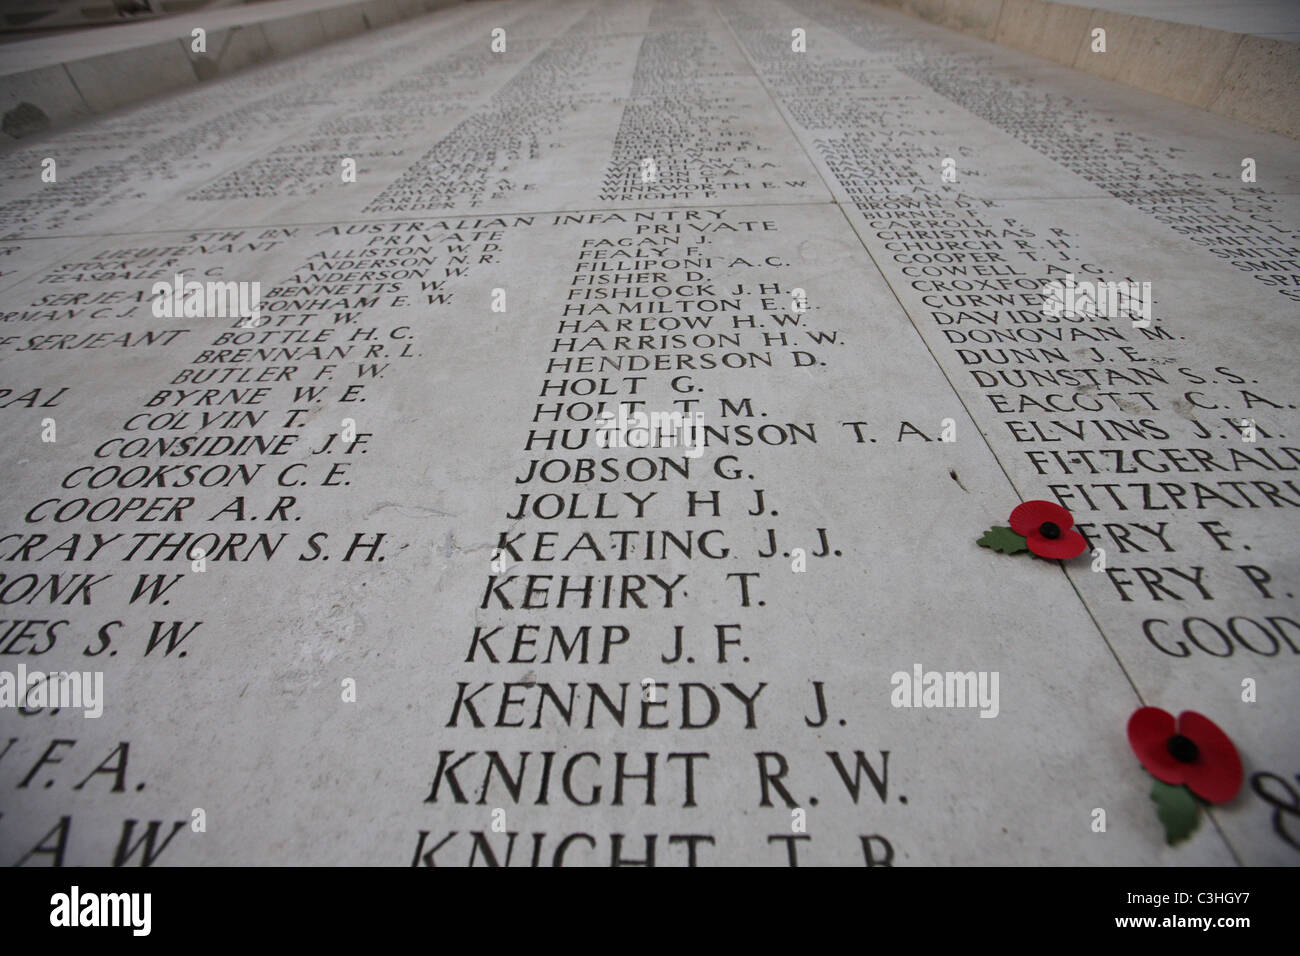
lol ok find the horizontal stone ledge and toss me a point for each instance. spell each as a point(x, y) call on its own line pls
point(1254, 79)
point(52, 81)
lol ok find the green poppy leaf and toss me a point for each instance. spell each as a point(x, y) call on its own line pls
point(1177, 810)
point(1002, 539)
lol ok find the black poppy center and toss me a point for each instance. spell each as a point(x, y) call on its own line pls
point(1182, 749)
point(1050, 530)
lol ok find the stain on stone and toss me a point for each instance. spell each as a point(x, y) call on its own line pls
point(24, 119)
point(205, 68)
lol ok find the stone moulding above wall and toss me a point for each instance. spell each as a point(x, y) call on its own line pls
point(54, 81)
point(1253, 79)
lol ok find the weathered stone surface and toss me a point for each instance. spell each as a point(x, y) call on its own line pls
point(1220, 57)
point(365, 588)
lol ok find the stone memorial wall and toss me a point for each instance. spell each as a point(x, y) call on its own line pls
point(380, 569)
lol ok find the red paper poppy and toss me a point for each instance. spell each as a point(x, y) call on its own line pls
point(1191, 750)
point(1048, 529)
